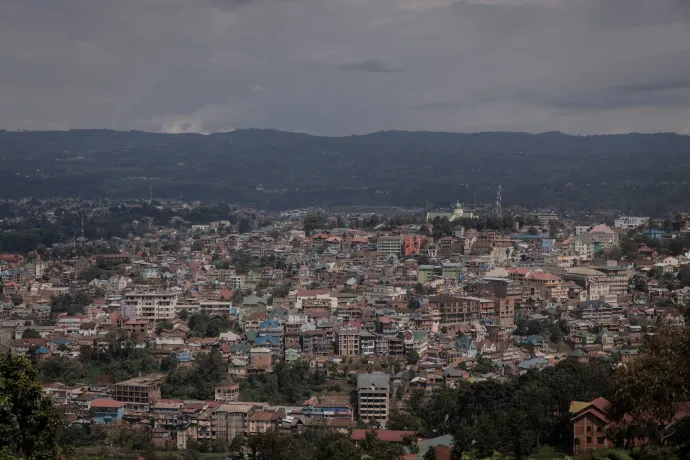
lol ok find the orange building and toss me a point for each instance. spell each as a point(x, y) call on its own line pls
point(412, 244)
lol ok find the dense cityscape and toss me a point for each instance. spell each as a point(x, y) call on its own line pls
point(345, 230)
point(180, 330)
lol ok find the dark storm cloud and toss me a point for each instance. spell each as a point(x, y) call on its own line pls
point(662, 85)
point(450, 105)
point(369, 65)
point(466, 65)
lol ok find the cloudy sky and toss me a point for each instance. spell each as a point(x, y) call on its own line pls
point(338, 67)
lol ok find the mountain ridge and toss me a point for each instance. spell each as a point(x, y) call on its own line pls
point(279, 169)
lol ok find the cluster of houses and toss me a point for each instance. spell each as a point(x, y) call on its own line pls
point(470, 305)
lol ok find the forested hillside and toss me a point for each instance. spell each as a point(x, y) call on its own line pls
point(273, 169)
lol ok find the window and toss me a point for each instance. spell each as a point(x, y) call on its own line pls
point(589, 439)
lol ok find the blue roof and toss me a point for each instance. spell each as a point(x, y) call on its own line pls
point(183, 356)
point(42, 350)
point(269, 323)
point(267, 338)
point(532, 362)
point(533, 340)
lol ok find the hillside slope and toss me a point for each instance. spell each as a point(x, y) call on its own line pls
point(641, 172)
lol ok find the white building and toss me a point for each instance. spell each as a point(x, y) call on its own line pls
point(384, 292)
point(216, 307)
point(321, 294)
point(628, 222)
point(582, 229)
point(545, 217)
point(151, 306)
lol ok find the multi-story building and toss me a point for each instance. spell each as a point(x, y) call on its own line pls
point(324, 295)
point(583, 247)
point(216, 307)
point(629, 222)
point(417, 341)
point(546, 285)
point(383, 292)
point(425, 273)
point(373, 393)
point(230, 420)
point(582, 229)
point(390, 244)
point(316, 343)
point(594, 310)
point(459, 310)
point(367, 343)
point(427, 318)
point(139, 393)
point(604, 236)
point(348, 339)
point(227, 393)
point(150, 306)
point(617, 278)
point(596, 283)
point(545, 217)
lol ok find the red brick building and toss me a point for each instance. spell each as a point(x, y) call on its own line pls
point(589, 425)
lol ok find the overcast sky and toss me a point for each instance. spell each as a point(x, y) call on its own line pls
point(338, 67)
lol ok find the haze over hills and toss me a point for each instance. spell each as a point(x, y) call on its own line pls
point(274, 169)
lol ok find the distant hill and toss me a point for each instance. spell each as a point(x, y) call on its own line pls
point(273, 169)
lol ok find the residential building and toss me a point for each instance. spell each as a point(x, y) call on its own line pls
point(594, 310)
point(373, 393)
point(390, 244)
point(227, 393)
point(151, 306)
point(107, 411)
point(304, 295)
point(348, 339)
point(367, 343)
point(583, 246)
point(458, 310)
point(139, 393)
point(230, 420)
point(589, 426)
point(582, 229)
point(604, 236)
point(630, 223)
point(260, 359)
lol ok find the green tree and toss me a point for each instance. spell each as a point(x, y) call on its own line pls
point(29, 425)
point(430, 454)
point(654, 385)
point(31, 334)
point(163, 325)
point(313, 221)
point(412, 357)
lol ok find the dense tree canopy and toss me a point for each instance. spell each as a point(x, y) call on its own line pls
point(199, 380)
point(654, 386)
point(287, 384)
point(204, 325)
point(29, 425)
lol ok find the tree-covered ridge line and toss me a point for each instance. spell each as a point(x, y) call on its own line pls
point(267, 168)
